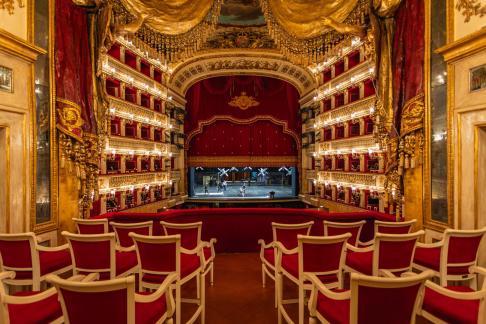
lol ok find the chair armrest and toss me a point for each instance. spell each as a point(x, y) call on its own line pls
point(455, 294)
point(357, 249)
point(386, 273)
point(7, 275)
point(125, 249)
point(316, 282)
point(85, 278)
point(430, 245)
point(52, 249)
point(163, 288)
point(263, 245)
point(196, 250)
point(478, 270)
point(19, 300)
point(283, 249)
point(367, 243)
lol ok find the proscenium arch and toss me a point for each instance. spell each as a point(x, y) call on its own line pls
point(266, 63)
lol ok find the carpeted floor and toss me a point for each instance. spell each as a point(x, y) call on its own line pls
point(238, 297)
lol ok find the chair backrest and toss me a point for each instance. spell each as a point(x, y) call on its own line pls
point(91, 226)
point(123, 229)
point(108, 301)
point(338, 228)
point(394, 227)
point(92, 252)
point(18, 253)
point(461, 248)
point(322, 255)
point(394, 252)
point(386, 300)
point(190, 233)
point(287, 233)
point(159, 255)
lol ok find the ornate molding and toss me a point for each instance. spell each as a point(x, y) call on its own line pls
point(137, 146)
point(120, 182)
point(123, 109)
point(9, 5)
point(470, 8)
point(371, 180)
point(229, 62)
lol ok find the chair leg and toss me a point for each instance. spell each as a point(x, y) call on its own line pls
point(263, 276)
point(211, 276)
point(276, 288)
point(178, 303)
point(203, 298)
point(278, 296)
point(312, 320)
point(198, 284)
point(301, 304)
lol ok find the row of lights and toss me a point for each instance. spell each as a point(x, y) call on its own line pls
point(356, 114)
point(345, 84)
point(112, 190)
point(356, 150)
point(156, 62)
point(111, 71)
point(355, 43)
point(353, 186)
point(130, 152)
point(144, 120)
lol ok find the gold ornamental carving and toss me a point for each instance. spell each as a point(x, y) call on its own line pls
point(413, 115)
point(9, 5)
point(69, 117)
point(470, 8)
point(243, 101)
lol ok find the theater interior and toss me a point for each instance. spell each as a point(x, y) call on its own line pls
point(242, 161)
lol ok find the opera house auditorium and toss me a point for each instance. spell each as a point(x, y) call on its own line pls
point(242, 161)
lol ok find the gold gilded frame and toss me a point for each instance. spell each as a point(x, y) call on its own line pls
point(52, 224)
point(477, 129)
point(427, 183)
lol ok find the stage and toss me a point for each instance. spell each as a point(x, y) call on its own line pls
point(236, 192)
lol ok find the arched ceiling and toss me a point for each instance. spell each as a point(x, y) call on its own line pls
point(262, 62)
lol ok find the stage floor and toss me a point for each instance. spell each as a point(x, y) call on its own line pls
point(232, 192)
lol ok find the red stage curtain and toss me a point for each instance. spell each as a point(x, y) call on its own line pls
point(215, 128)
point(408, 58)
point(73, 74)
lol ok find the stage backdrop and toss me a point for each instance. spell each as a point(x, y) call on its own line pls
point(242, 121)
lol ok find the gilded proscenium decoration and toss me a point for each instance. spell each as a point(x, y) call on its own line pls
point(243, 101)
point(470, 8)
point(9, 5)
point(69, 116)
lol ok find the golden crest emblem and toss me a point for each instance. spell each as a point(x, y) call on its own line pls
point(243, 101)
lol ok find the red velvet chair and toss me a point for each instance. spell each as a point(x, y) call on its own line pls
point(451, 257)
point(391, 228)
point(32, 307)
point(370, 300)
point(123, 241)
point(455, 304)
point(390, 252)
point(160, 256)
point(322, 256)
point(31, 262)
point(190, 239)
point(96, 253)
point(91, 226)
point(287, 235)
point(114, 301)
point(338, 228)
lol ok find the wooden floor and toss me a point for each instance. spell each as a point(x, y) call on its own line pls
point(238, 296)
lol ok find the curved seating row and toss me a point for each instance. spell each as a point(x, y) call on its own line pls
point(239, 229)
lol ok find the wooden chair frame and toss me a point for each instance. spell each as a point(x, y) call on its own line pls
point(479, 295)
point(127, 283)
point(359, 280)
point(115, 225)
point(267, 268)
point(378, 223)
point(442, 274)
point(97, 238)
point(35, 248)
point(199, 274)
point(344, 225)
point(209, 263)
point(87, 221)
point(301, 282)
point(6, 300)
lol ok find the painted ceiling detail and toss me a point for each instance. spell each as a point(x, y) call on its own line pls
point(262, 63)
point(238, 37)
point(241, 13)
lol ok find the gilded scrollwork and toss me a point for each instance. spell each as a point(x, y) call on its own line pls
point(471, 8)
point(9, 5)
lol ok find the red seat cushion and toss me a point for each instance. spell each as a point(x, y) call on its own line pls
point(360, 261)
point(430, 258)
point(449, 309)
point(44, 311)
point(269, 255)
point(147, 313)
point(125, 261)
point(334, 311)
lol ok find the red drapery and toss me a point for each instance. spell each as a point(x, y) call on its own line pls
point(73, 73)
point(215, 128)
point(408, 58)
